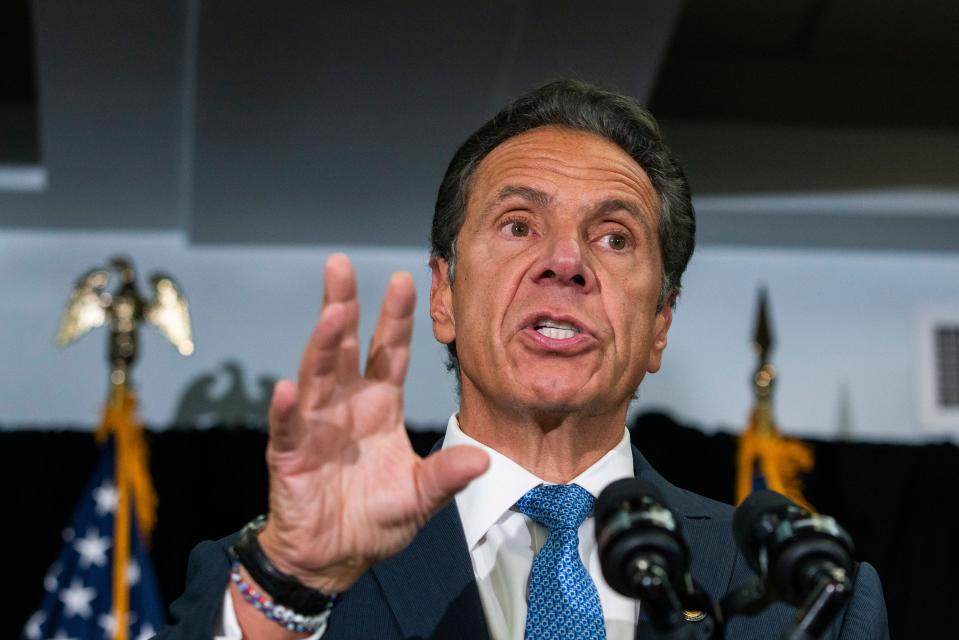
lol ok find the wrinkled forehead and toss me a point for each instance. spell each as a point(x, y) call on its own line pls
point(551, 161)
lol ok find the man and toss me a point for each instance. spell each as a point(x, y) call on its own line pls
point(561, 232)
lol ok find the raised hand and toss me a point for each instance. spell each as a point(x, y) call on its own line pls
point(346, 487)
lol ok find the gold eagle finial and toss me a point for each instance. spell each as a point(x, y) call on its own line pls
point(91, 305)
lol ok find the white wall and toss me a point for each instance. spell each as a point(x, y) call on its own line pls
point(845, 326)
point(256, 305)
point(846, 336)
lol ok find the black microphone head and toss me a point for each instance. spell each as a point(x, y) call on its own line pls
point(747, 520)
point(784, 543)
point(632, 523)
point(624, 491)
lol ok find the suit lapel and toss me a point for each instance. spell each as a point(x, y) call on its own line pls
point(706, 525)
point(432, 591)
point(430, 585)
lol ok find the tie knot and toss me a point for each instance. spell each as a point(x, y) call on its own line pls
point(557, 506)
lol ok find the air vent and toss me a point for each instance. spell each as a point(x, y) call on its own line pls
point(947, 365)
point(939, 370)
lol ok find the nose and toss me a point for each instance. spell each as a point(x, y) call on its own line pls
point(563, 264)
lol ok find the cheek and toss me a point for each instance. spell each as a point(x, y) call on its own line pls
point(632, 320)
point(497, 278)
point(477, 308)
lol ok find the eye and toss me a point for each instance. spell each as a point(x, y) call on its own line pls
point(516, 228)
point(616, 241)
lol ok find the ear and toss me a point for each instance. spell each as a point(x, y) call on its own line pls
point(441, 302)
point(664, 318)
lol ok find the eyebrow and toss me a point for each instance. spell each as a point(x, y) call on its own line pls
point(535, 196)
point(616, 204)
point(543, 199)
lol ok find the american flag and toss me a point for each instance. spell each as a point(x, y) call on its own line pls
point(78, 602)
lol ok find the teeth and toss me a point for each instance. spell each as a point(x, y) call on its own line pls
point(556, 330)
point(556, 333)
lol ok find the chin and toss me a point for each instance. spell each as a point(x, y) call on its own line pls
point(562, 390)
point(556, 395)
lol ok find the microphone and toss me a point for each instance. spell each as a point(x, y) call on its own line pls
point(789, 547)
point(803, 559)
point(643, 555)
point(636, 534)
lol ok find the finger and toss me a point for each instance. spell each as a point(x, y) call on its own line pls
point(339, 287)
point(444, 473)
point(284, 434)
point(390, 347)
point(318, 368)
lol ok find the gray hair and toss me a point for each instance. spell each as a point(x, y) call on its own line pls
point(580, 107)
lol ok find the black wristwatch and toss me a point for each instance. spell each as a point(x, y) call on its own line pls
point(284, 589)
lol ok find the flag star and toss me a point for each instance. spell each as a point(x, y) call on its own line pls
point(92, 549)
point(106, 497)
point(76, 599)
point(133, 572)
point(32, 630)
point(62, 635)
point(50, 582)
point(146, 632)
point(109, 622)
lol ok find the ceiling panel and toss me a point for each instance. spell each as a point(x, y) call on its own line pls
point(334, 122)
point(918, 33)
point(110, 115)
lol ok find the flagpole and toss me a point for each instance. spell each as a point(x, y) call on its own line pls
point(87, 594)
point(121, 555)
point(114, 424)
point(763, 453)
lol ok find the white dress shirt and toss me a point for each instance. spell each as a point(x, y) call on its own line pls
point(502, 542)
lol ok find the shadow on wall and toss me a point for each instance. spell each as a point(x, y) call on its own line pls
point(203, 404)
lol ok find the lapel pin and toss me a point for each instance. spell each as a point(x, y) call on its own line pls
point(693, 615)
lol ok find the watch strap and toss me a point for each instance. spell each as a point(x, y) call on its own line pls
point(283, 588)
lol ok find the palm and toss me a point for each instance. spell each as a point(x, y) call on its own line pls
point(346, 488)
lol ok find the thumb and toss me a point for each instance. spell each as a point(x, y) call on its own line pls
point(284, 431)
point(441, 475)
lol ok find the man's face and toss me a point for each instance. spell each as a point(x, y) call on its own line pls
point(558, 274)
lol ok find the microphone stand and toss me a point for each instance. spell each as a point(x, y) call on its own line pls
point(665, 607)
point(831, 591)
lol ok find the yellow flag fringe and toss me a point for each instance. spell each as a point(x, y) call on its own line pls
point(780, 461)
point(132, 477)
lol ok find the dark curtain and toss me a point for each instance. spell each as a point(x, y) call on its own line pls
point(893, 499)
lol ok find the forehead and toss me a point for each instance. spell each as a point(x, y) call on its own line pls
point(562, 162)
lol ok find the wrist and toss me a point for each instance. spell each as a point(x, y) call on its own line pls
point(284, 589)
point(328, 577)
point(259, 617)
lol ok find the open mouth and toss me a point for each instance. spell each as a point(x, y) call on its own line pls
point(555, 329)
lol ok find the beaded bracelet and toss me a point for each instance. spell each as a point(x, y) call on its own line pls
point(286, 618)
point(282, 588)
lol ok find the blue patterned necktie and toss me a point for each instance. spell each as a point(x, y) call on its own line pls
point(563, 601)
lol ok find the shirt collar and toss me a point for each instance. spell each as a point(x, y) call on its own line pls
point(492, 494)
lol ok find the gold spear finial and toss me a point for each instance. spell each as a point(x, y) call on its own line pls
point(763, 335)
point(765, 374)
point(765, 458)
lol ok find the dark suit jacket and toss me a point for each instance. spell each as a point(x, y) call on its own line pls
point(428, 590)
